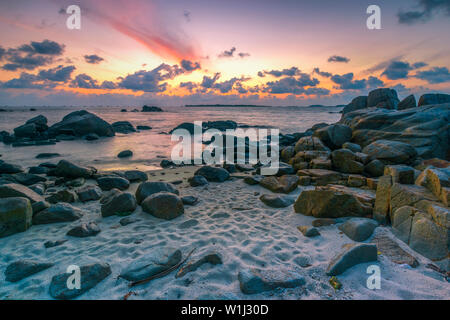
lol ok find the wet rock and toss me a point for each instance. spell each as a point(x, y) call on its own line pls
point(407, 103)
point(91, 137)
point(62, 212)
point(89, 193)
point(84, 230)
point(9, 168)
point(26, 131)
point(334, 136)
point(157, 261)
point(352, 147)
point(119, 204)
point(128, 220)
point(253, 281)
point(284, 184)
point(51, 244)
point(212, 258)
point(146, 189)
point(70, 170)
point(374, 168)
point(167, 163)
point(125, 154)
point(22, 269)
point(358, 229)
point(39, 206)
point(391, 152)
point(308, 231)
point(143, 127)
point(276, 201)
point(356, 104)
point(47, 155)
point(124, 127)
point(213, 174)
point(62, 196)
point(352, 255)
point(81, 123)
point(75, 183)
point(28, 179)
point(197, 181)
point(253, 180)
point(40, 122)
point(17, 190)
point(38, 170)
point(135, 175)
point(91, 275)
point(15, 216)
point(189, 200)
point(108, 183)
point(163, 205)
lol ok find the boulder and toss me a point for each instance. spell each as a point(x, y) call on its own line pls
point(91, 275)
point(16, 190)
point(81, 123)
point(358, 229)
point(382, 98)
point(146, 189)
point(62, 196)
point(125, 154)
point(15, 216)
point(253, 281)
point(391, 152)
point(433, 98)
point(212, 258)
point(27, 179)
point(197, 181)
point(213, 174)
point(310, 143)
point(89, 193)
point(84, 230)
point(167, 163)
point(253, 180)
point(9, 168)
point(40, 122)
point(119, 204)
point(374, 168)
point(143, 127)
point(70, 170)
point(62, 212)
point(356, 181)
point(190, 127)
point(22, 269)
point(407, 103)
point(326, 202)
point(344, 161)
point(352, 147)
point(434, 179)
point(352, 254)
point(321, 176)
point(389, 248)
point(400, 174)
point(91, 137)
point(26, 131)
point(39, 206)
point(189, 200)
point(334, 136)
point(135, 175)
point(108, 183)
point(163, 205)
point(124, 127)
point(356, 104)
point(276, 201)
point(283, 184)
point(38, 170)
point(47, 155)
point(287, 153)
point(151, 264)
point(151, 109)
point(308, 231)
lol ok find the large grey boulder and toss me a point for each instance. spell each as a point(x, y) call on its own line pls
point(119, 204)
point(22, 269)
point(146, 189)
point(163, 205)
point(108, 183)
point(391, 152)
point(356, 104)
point(383, 98)
point(433, 98)
point(91, 275)
point(151, 264)
point(213, 174)
point(334, 136)
point(81, 123)
point(70, 170)
point(62, 212)
point(352, 254)
point(15, 216)
point(253, 281)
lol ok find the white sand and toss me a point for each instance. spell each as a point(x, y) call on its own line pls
point(232, 221)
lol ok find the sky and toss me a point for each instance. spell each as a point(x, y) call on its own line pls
point(177, 52)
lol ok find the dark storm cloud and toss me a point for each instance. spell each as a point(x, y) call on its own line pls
point(46, 47)
point(93, 59)
point(189, 65)
point(434, 75)
point(338, 59)
point(400, 69)
point(427, 9)
point(17, 61)
point(58, 74)
point(84, 81)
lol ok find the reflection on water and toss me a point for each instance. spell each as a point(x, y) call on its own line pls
point(149, 147)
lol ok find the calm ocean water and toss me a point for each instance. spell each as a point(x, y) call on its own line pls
point(149, 147)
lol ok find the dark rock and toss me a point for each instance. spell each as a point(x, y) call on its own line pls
point(120, 204)
point(108, 183)
point(40, 206)
point(91, 275)
point(352, 147)
point(91, 137)
point(15, 216)
point(135, 175)
point(433, 98)
point(22, 269)
point(84, 230)
point(197, 181)
point(124, 127)
point(400, 173)
point(352, 255)
point(127, 220)
point(47, 155)
point(212, 258)
point(40, 122)
point(374, 168)
point(62, 196)
point(62, 212)
point(189, 200)
point(38, 170)
point(253, 281)
point(9, 168)
point(344, 160)
point(308, 231)
point(190, 127)
point(151, 109)
point(167, 164)
point(407, 103)
point(356, 104)
point(310, 143)
point(146, 189)
point(17, 190)
point(163, 205)
point(334, 136)
point(51, 244)
point(358, 229)
point(26, 131)
point(125, 154)
point(253, 180)
point(28, 179)
point(382, 98)
point(323, 222)
point(213, 174)
point(143, 127)
point(391, 152)
point(67, 169)
point(277, 201)
point(89, 193)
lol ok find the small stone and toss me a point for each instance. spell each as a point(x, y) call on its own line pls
point(189, 200)
point(62, 196)
point(84, 230)
point(213, 174)
point(89, 193)
point(135, 175)
point(119, 204)
point(146, 189)
point(197, 181)
point(309, 231)
point(277, 201)
point(125, 154)
point(323, 222)
point(108, 183)
point(51, 244)
point(358, 229)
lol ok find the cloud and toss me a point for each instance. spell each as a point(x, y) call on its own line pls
point(25, 81)
point(400, 69)
point(227, 53)
point(31, 56)
point(434, 75)
point(84, 81)
point(347, 82)
point(187, 15)
point(208, 82)
point(2, 53)
point(108, 85)
point(243, 54)
point(189, 65)
point(285, 72)
point(227, 86)
point(294, 85)
point(338, 59)
point(93, 59)
point(58, 74)
point(322, 73)
point(190, 86)
point(427, 10)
